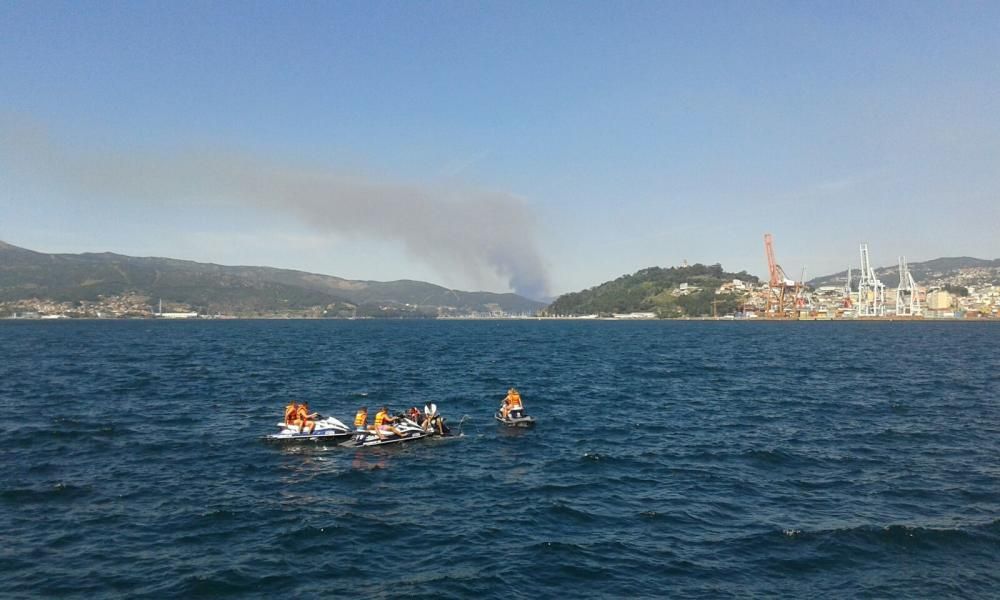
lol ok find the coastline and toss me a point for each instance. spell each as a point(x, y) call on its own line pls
point(496, 319)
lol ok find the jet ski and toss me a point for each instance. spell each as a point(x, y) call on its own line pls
point(327, 428)
point(444, 430)
point(515, 418)
point(409, 428)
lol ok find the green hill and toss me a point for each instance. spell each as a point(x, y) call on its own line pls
point(658, 290)
point(212, 288)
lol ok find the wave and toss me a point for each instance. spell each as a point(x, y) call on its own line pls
point(896, 535)
point(560, 488)
point(228, 582)
point(774, 457)
point(59, 492)
point(771, 457)
point(563, 512)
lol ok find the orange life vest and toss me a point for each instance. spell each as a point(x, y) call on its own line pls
point(290, 411)
point(379, 417)
point(514, 400)
point(302, 413)
point(361, 419)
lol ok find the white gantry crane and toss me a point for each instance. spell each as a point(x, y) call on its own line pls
point(871, 291)
point(848, 303)
point(907, 300)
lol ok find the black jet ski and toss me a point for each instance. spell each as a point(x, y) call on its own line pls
point(439, 426)
point(327, 428)
point(410, 431)
point(515, 418)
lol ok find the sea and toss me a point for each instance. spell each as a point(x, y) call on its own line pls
point(669, 460)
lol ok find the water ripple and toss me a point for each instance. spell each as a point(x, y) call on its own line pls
point(682, 460)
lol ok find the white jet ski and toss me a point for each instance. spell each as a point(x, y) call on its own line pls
point(409, 429)
point(515, 418)
point(327, 428)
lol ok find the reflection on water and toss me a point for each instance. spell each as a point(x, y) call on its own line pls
point(307, 462)
point(368, 461)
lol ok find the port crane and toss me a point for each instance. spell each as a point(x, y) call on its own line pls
point(848, 303)
point(871, 291)
point(782, 292)
point(907, 302)
point(803, 299)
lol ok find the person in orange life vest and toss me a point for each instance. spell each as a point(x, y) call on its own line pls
point(291, 413)
point(384, 421)
point(511, 402)
point(414, 415)
point(361, 423)
point(361, 419)
point(304, 418)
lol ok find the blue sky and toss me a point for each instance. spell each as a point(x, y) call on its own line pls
point(617, 135)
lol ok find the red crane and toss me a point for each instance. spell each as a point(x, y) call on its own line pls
point(772, 265)
point(779, 282)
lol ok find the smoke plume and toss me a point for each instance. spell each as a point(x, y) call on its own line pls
point(447, 226)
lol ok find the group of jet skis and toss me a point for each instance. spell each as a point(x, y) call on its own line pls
point(301, 425)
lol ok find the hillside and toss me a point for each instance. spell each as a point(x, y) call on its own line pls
point(211, 288)
point(962, 271)
point(656, 290)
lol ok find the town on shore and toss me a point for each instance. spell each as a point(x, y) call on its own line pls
point(109, 286)
point(756, 302)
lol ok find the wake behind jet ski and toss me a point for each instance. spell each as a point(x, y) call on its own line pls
point(511, 412)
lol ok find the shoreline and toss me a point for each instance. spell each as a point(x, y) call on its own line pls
point(500, 319)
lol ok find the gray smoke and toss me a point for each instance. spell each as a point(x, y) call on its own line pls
point(447, 226)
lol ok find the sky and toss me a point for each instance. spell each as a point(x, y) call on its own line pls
point(539, 147)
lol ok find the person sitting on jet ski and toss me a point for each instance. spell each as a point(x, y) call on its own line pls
point(511, 402)
point(414, 414)
point(361, 423)
point(291, 413)
point(361, 419)
point(303, 418)
point(432, 418)
point(383, 420)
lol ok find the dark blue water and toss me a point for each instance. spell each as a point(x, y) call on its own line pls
point(671, 460)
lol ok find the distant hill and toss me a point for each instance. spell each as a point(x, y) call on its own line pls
point(961, 270)
point(656, 290)
point(212, 288)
